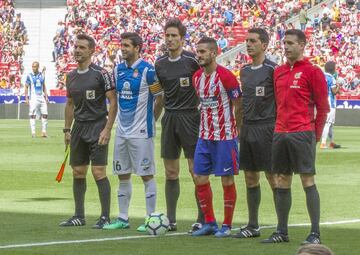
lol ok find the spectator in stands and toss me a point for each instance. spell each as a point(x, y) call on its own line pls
point(223, 43)
point(325, 22)
point(303, 17)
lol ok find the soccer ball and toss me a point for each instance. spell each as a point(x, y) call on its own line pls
point(156, 224)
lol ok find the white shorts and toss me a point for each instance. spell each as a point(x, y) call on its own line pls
point(38, 106)
point(133, 155)
point(331, 116)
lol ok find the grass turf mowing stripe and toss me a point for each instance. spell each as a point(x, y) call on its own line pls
point(12, 246)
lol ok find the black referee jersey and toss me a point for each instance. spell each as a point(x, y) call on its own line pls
point(175, 76)
point(257, 86)
point(87, 89)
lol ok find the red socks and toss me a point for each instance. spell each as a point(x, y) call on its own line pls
point(229, 203)
point(204, 194)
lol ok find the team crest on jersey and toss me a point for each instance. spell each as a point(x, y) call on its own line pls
point(184, 82)
point(90, 94)
point(136, 73)
point(298, 75)
point(260, 91)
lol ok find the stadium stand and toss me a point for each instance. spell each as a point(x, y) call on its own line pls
point(107, 19)
point(13, 37)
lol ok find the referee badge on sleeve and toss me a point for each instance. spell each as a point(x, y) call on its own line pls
point(260, 91)
point(90, 94)
point(184, 82)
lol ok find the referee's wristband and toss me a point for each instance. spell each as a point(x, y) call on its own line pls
point(65, 130)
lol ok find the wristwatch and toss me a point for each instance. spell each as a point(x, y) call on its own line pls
point(65, 130)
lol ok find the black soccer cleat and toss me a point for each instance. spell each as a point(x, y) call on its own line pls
point(172, 226)
point(247, 232)
point(101, 222)
point(313, 238)
point(74, 221)
point(277, 237)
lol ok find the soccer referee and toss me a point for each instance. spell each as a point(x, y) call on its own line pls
point(180, 123)
point(258, 124)
point(88, 87)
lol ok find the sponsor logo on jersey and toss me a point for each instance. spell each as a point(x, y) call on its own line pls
point(90, 94)
point(184, 82)
point(209, 102)
point(260, 91)
point(298, 75)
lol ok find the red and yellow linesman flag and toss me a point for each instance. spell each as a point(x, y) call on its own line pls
point(62, 168)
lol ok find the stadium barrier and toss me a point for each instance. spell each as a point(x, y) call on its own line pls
point(348, 113)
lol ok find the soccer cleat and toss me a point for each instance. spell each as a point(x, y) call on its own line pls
point(44, 135)
point(225, 231)
point(277, 237)
point(141, 228)
point(172, 226)
point(119, 223)
point(247, 232)
point(335, 146)
point(313, 238)
point(195, 227)
point(101, 222)
point(207, 229)
point(323, 146)
point(74, 221)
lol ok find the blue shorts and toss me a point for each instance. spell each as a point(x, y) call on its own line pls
point(216, 157)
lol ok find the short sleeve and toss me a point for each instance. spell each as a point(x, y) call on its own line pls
point(108, 80)
point(230, 83)
point(67, 86)
point(153, 82)
point(28, 81)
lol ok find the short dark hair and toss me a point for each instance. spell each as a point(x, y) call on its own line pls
point(175, 22)
point(330, 67)
point(88, 38)
point(209, 41)
point(298, 33)
point(314, 249)
point(135, 39)
point(263, 34)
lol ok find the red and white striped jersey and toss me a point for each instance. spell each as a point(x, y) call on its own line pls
point(215, 92)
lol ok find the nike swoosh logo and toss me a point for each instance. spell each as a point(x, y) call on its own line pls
point(121, 74)
point(227, 169)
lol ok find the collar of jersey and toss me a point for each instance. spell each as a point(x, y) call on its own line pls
point(135, 63)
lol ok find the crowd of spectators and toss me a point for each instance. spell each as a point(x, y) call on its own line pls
point(13, 37)
point(333, 35)
point(225, 20)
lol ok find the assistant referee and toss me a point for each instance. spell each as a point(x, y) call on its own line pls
point(88, 87)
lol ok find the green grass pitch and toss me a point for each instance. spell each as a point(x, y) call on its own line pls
point(32, 203)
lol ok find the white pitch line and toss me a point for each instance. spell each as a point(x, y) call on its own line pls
point(12, 246)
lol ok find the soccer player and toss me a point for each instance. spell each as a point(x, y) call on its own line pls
point(258, 124)
point(300, 89)
point(180, 123)
point(217, 147)
point(88, 87)
point(36, 97)
point(333, 89)
point(136, 86)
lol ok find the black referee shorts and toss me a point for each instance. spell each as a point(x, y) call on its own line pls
point(294, 153)
point(84, 144)
point(255, 147)
point(179, 131)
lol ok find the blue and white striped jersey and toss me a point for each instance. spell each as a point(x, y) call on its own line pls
point(331, 83)
point(35, 82)
point(136, 95)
